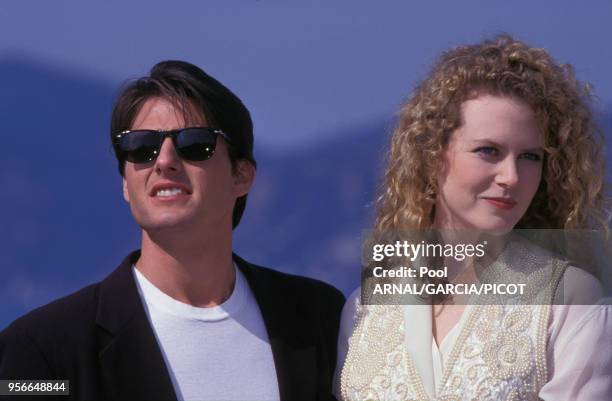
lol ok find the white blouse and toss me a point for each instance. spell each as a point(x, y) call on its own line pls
point(579, 346)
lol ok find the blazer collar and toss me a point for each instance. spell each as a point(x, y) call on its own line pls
point(289, 328)
point(133, 366)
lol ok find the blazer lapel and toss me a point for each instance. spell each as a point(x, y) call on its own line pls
point(293, 349)
point(132, 365)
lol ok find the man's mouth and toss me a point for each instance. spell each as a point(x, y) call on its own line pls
point(170, 192)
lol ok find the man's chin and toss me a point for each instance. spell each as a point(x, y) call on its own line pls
point(165, 223)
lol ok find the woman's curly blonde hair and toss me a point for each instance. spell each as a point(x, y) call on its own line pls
point(572, 191)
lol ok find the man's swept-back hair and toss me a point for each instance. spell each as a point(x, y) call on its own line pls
point(571, 194)
point(199, 97)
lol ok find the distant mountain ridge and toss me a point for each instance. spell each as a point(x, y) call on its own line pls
point(66, 224)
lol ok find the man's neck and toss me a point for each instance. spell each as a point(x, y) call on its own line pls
point(195, 269)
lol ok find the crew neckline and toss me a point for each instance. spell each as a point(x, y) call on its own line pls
point(164, 303)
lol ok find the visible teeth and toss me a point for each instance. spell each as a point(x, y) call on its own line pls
point(169, 192)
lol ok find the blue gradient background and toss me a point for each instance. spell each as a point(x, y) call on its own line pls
point(323, 81)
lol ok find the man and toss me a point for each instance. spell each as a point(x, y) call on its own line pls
point(183, 318)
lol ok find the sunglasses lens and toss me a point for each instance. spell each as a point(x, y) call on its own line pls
point(196, 144)
point(141, 146)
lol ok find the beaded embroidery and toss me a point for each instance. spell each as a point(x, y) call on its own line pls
point(500, 353)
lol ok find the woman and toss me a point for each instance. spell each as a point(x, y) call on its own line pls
point(498, 137)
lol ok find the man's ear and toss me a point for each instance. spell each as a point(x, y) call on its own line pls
point(244, 175)
point(126, 194)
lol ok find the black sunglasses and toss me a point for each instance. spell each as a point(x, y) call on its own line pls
point(191, 143)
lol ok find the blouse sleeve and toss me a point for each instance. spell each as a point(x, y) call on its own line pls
point(579, 351)
point(347, 324)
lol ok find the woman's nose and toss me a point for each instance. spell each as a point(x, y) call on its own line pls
point(507, 174)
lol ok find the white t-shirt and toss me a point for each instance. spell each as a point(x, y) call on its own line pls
point(217, 353)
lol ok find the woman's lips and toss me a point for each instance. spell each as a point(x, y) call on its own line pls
point(499, 203)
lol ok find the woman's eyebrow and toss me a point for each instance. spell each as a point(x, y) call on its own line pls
point(491, 142)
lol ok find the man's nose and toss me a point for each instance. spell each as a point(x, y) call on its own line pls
point(508, 174)
point(168, 159)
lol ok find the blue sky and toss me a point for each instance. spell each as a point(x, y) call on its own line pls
point(305, 69)
point(323, 79)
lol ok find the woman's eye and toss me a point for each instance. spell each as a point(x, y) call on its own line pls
point(531, 156)
point(486, 151)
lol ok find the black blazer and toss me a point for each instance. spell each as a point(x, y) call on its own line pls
point(101, 340)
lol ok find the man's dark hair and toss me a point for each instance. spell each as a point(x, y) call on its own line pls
point(191, 91)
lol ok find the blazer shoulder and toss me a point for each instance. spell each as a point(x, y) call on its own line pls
point(300, 285)
point(60, 317)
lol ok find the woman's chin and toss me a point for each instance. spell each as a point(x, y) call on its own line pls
point(497, 230)
point(494, 226)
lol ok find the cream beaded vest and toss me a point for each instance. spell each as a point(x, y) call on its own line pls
point(500, 353)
